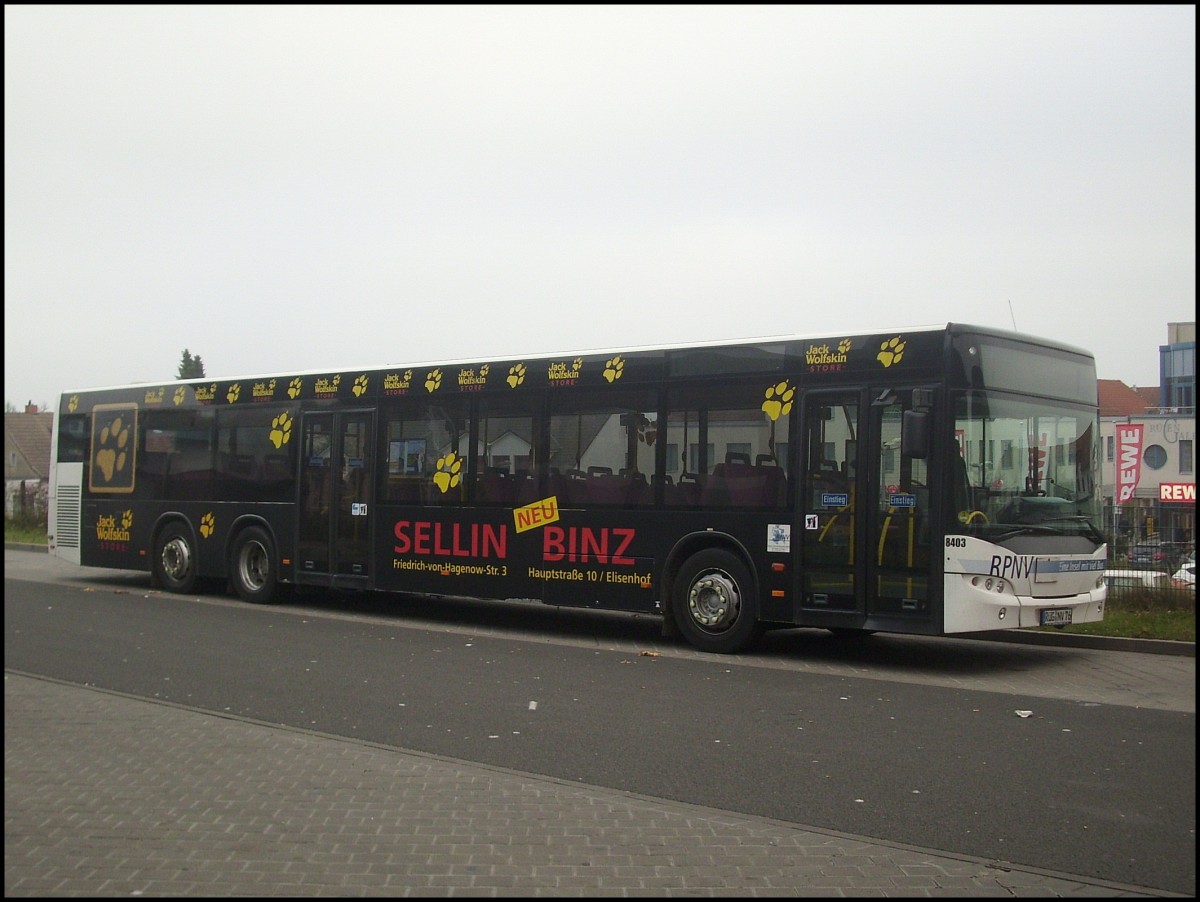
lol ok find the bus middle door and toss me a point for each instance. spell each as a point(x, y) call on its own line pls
point(336, 477)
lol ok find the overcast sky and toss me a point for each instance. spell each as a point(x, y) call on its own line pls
point(283, 188)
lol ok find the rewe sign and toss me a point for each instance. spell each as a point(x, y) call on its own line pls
point(1129, 459)
point(1177, 491)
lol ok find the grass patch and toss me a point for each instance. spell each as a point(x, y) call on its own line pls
point(25, 529)
point(1145, 614)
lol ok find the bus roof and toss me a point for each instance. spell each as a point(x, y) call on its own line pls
point(950, 328)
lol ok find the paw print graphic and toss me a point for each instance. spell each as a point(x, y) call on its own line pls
point(73, 404)
point(614, 369)
point(432, 383)
point(485, 369)
point(360, 385)
point(516, 375)
point(891, 351)
point(180, 394)
point(234, 391)
point(844, 346)
point(295, 387)
point(778, 400)
point(281, 430)
point(208, 525)
point(449, 472)
point(111, 454)
point(648, 431)
point(126, 520)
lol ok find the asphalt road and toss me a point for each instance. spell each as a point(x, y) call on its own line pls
point(910, 740)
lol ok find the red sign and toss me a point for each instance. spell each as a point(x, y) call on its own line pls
point(1129, 459)
point(1177, 491)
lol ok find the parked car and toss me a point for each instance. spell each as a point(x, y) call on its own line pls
point(1165, 556)
point(1136, 579)
point(1185, 576)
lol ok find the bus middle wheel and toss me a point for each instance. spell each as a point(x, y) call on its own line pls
point(175, 559)
point(252, 569)
point(715, 605)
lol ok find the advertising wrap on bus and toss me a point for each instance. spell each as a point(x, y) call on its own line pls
point(935, 481)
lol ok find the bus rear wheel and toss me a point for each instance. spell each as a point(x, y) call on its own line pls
point(175, 559)
point(252, 569)
point(715, 605)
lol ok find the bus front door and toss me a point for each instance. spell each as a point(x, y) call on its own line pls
point(832, 571)
point(897, 516)
point(866, 513)
point(336, 476)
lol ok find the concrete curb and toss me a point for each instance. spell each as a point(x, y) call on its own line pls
point(1025, 637)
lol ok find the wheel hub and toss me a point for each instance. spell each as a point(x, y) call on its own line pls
point(714, 602)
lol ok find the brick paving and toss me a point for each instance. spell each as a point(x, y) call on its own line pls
point(109, 795)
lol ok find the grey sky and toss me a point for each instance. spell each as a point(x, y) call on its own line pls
point(293, 188)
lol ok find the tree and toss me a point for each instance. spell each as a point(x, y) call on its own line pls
point(191, 367)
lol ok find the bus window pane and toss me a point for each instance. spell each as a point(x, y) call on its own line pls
point(425, 452)
point(734, 438)
point(506, 453)
point(602, 450)
point(256, 459)
point(175, 460)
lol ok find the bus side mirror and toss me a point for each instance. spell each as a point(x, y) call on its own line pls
point(914, 435)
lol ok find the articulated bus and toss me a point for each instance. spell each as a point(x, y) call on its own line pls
point(934, 481)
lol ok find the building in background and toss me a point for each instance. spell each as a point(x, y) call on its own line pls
point(27, 461)
point(1177, 369)
point(1163, 505)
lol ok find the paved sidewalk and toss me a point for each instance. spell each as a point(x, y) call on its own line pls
point(108, 795)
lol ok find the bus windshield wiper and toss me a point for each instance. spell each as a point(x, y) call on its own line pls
point(1026, 530)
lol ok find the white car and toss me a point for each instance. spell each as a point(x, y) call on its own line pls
point(1186, 575)
point(1137, 579)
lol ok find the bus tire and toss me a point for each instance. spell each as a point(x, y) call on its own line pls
point(715, 603)
point(175, 559)
point(252, 566)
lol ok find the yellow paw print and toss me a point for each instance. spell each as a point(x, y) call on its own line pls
point(360, 385)
point(614, 369)
point(891, 351)
point(779, 400)
point(295, 387)
point(485, 369)
point(281, 430)
point(112, 460)
point(234, 391)
point(449, 471)
point(73, 404)
point(516, 375)
point(844, 346)
point(127, 520)
point(432, 383)
point(180, 394)
point(208, 525)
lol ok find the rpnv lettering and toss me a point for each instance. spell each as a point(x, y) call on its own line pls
point(1012, 566)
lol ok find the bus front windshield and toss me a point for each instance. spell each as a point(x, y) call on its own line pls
point(1025, 467)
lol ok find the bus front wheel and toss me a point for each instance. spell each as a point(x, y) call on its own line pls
point(715, 605)
point(175, 559)
point(253, 567)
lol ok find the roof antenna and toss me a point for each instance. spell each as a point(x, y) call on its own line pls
point(1012, 316)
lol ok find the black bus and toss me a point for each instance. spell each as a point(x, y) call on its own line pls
point(935, 480)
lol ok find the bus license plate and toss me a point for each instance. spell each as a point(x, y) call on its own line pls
point(1056, 616)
